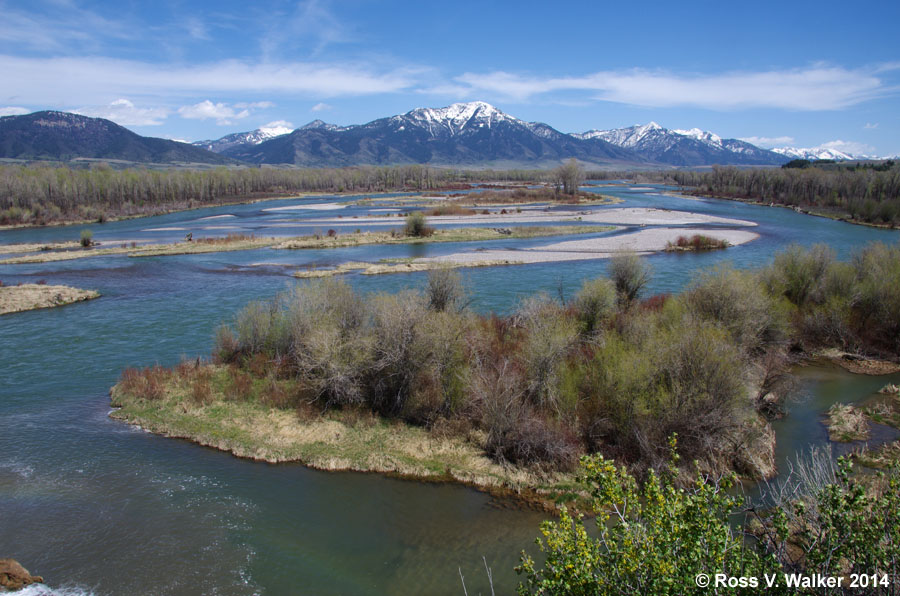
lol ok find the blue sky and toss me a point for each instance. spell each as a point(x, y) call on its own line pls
point(778, 73)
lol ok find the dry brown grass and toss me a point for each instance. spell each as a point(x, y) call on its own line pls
point(847, 423)
point(35, 296)
point(339, 440)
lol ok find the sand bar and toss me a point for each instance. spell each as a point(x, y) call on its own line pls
point(622, 216)
point(310, 206)
point(34, 296)
point(641, 242)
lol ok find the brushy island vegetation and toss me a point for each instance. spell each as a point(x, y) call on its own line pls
point(604, 372)
point(566, 388)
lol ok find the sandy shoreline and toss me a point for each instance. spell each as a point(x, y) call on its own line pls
point(617, 216)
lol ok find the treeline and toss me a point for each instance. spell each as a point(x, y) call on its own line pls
point(605, 372)
point(866, 194)
point(41, 195)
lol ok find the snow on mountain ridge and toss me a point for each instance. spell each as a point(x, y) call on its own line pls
point(457, 117)
point(814, 153)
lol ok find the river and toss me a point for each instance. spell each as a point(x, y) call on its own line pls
point(99, 507)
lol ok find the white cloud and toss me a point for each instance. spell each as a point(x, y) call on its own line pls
point(124, 112)
point(320, 107)
point(768, 142)
point(279, 124)
point(818, 87)
point(851, 147)
point(87, 80)
point(13, 111)
point(205, 110)
point(870, 126)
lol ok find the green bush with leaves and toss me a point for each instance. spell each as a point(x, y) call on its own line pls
point(651, 539)
point(416, 225)
point(657, 538)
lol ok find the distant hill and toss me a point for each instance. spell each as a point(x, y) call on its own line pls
point(693, 147)
point(463, 134)
point(63, 136)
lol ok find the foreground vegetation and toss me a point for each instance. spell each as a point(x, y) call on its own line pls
point(606, 372)
point(661, 538)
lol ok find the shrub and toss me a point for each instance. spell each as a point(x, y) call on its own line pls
point(594, 304)
point(697, 242)
point(798, 273)
point(445, 289)
point(532, 440)
point(239, 386)
point(329, 344)
point(630, 273)
point(738, 302)
point(398, 357)
point(653, 539)
point(416, 225)
point(877, 298)
point(87, 238)
point(549, 335)
point(439, 387)
point(147, 383)
point(225, 344)
point(201, 391)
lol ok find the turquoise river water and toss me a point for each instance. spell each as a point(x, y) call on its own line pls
point(96, 506)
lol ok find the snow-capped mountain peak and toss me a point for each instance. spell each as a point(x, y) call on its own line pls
point(630, 137)
point(274, 129)
point(814, 153)
point(682, 146)
point(456, 118)
point(701, 135)
point(253, 137)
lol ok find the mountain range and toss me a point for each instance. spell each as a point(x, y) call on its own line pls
point(684, 147)
point(63, 136)
point(474, 134)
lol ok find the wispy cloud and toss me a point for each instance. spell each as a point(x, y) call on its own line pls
point(13, 111)
point(871, 126)
point(817, 87)
point(89, 80)
point(311, 26)
point(62, 25)
point(768, 142)
point(124, 112)
point(320, 107)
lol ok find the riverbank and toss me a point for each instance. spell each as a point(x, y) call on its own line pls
point(45, 253)
point(36, 296)
point(351, 440)
point(803, 208)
